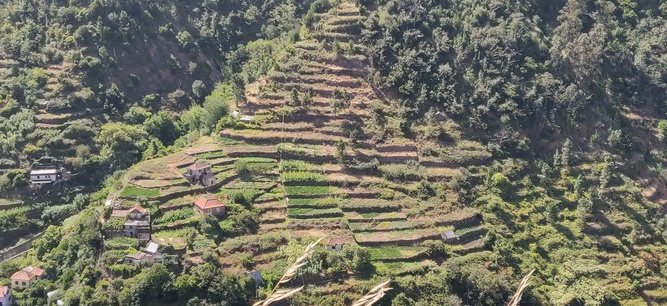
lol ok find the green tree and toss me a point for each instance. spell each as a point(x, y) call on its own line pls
point(163, 126)
point(662, 130)
point(121, 144)
point(341, 100)
point(341, 146)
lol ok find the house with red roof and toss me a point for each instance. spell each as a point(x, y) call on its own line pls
point(210, 205)
point(23, 278)
point(6, 297)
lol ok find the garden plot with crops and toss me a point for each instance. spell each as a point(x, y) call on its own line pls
point(308, 192)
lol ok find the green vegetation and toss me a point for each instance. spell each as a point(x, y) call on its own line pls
point(307, 190)
point(249, 166)
point(172, 216)
point(298, 166)
point(314, 212)
point(536, 130)
point(303, 177)
point(314, 203)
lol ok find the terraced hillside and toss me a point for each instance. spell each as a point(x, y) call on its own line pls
point(316, 113)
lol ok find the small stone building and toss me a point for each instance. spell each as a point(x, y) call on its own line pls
point(200, 173)
point(449, 235)
point(137, 223)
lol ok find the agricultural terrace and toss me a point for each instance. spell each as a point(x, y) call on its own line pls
point(312, 162)
point(314, 113)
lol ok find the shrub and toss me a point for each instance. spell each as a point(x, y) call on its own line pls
point(255, 244)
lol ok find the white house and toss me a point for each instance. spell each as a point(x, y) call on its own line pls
point(44, 176)
point(6, 298)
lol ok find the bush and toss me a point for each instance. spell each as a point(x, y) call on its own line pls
point(397, 171)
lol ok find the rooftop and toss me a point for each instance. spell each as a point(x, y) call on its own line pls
point(27, 273)
point(339, 240)
point(206, 202)
point(4, 290)
point(449, 235)
point(198, 166)
point(151, 248)
point(137, 208)
point(43, 171)
point(137, 222)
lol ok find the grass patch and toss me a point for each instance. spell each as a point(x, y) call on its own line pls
point(211, 155)
point(135, 192)
point(246, 166)
point(379, 226)
point(172, 216)
point(256, 244)
point(121, 243)
point(394, 252)
point(298, 166)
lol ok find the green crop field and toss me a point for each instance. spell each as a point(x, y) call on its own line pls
point(314, 202)
point(307, 190)
point(395, 252)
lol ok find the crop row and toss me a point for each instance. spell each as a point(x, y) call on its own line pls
point(306, 213)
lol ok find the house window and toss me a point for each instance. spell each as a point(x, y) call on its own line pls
point(209, 211)
point(130, 227)
point(217, 209)
point(23, 283)
point(17, 282)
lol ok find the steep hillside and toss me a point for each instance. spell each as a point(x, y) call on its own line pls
point(71, 72)
point(448, 146)
point(68, 68)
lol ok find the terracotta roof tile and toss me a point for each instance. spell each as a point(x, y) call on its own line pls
point(27, 273)
point(3, 291)
point(208, 202)
point(138, 208)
